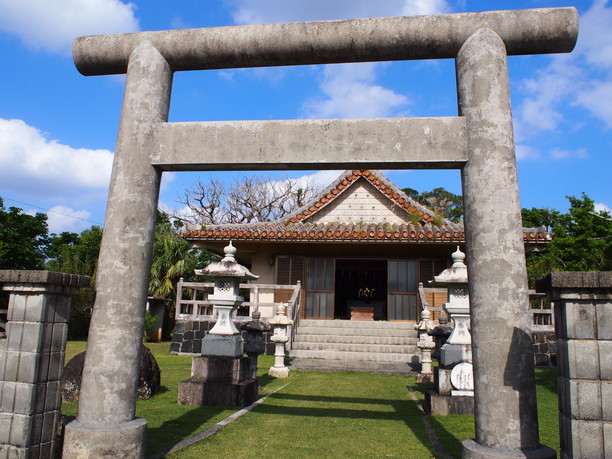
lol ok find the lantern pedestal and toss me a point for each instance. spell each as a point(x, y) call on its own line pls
point(219, 381)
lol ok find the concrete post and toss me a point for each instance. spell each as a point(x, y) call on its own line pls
point(505, 402)
point(32, 362)
point(583, 309)
point(105, 425)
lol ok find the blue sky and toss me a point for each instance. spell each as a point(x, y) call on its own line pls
point(58, 128)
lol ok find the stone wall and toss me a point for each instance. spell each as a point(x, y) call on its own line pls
point(583, 314)
point(188, 334)
point(544, 348)
point(32, 361)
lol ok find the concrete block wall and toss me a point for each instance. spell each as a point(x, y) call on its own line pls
point(188, 334)
point(31, 363)
point(544, 348)
point(584, 331)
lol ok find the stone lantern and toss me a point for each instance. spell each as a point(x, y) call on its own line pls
point(454, 378)
point(280, 323)
point(221, 376)
point(254, 344)
point(426, 344)
point(458, 347)
point(224, 338)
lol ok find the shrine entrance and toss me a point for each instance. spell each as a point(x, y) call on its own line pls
point(361, 289)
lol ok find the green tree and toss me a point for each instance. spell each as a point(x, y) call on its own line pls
point(77, 254)
point(172, 258)
point(73, 253)
point(444, 203)
point(23, 238)
point(582, 239)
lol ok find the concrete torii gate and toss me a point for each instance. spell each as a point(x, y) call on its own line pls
point(479, 142)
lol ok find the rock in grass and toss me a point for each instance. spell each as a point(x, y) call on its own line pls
point(148, 377)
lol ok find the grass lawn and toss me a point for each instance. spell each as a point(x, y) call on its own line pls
point(315, 415)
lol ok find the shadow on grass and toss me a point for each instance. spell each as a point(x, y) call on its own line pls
point(184, 426)
point(265, 379)
point(547, 378)
point(401, 410)
point(334, 399)
point(448, 441)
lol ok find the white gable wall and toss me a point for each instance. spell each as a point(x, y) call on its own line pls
point(361, 201)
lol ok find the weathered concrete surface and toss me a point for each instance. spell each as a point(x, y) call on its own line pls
point(431, 143)
point(445, 404)
point(219, 381)
point(108, 394)
point(534, 31)
point(505, 403)
point(575, 280)
point(32, 359)
point(17, 276)
point(583, 310)
point(107, 441)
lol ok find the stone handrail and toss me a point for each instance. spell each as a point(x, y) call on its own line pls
point(199, 308)
point(542, 317)
point(422, 299)
point(296, 304)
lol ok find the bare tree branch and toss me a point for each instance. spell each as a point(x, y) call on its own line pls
point(244, 200)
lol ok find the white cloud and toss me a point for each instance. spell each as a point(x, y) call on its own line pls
point(167, 179)
point(595, 40)
point(350, 92)
point(582, 78)
point(319, 179)
point(526, 152)
point(32, 164)
point(557, 153)
point(601, 207)
point(52, 25)
point(271, 11)
point(62, 218)
point(596, 98)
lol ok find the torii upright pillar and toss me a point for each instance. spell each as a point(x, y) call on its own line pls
point(504, 383)
point(106, 425)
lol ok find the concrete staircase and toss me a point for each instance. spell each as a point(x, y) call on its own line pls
point(345, 345)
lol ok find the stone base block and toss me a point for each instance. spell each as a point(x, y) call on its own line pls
point(16, 452)
point(127, 439)
point(215, 368)
point(473, 450)
point(223, 345)
point(445, 404)
point(442, 380)
point(197, 392)
point(281, 372)
point(425, 377)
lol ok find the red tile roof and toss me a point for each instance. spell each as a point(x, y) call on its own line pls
point(297, 227)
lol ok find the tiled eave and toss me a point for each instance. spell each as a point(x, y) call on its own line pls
point(351, 232)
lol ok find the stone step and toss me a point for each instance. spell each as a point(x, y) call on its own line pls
point(358, 348)
point(369, 324)
point(363, 356)
point(389, 340)
point(386, 368)
point(344, 331)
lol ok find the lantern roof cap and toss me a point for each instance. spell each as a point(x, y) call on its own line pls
point(456, 274)
point(227, 267)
